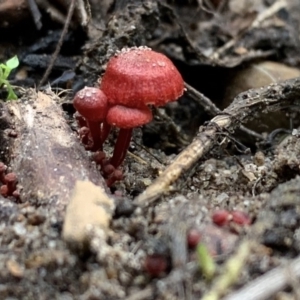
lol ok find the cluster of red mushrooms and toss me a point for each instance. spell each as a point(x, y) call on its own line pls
point(8, 181)
point(135, 78)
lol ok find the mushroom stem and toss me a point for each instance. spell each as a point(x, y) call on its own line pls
point(105, 131)
point(81, 122)
point(121, 147)
point(95, 133)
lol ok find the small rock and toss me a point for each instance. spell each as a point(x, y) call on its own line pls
point(15, 268)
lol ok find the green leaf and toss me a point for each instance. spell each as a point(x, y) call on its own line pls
point(13, 62)
point(11, 94)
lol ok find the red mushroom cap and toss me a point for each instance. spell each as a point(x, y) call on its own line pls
point(91, 103)
point(10, 177)
point(137, 77)
point(126, 117)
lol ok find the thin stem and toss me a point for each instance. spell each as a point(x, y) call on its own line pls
point(95, 133)
point(105, 131)
point(121, 147)
point(59, 44)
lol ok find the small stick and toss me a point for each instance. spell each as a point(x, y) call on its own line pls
point(84, 12)
point(267, 13)
point(59, 44)
point(213, 110)
point(265, 286)
point(146, 293)
point(36, 14)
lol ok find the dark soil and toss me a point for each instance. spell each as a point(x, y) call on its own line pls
point(180, 168)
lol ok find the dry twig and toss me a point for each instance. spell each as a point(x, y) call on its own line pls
point(59, 44)
point(36, 14)
point(213, 110)
point(265, 286)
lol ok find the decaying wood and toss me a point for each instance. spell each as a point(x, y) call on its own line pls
point(46, 155)
point(89, 207)
point(244, 108)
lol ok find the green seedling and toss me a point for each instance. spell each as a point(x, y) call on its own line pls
point(206, 262)
point(5, 70)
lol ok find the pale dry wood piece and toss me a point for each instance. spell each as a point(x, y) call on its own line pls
point(89, 207)
point(270, 12)
point(267, 285)
point(47, 155)
point(244, 107)
point(146, 293)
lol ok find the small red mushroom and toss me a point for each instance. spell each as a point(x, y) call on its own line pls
point(138, 76)
point(155, 265)
point(134, 78)
point(91, 103)
point(11, 185)
point(193, 237)
point(126, 119)
point(240, 218)
point(221, 217)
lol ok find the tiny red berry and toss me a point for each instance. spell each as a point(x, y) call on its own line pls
point(193, 237)
point(221, 217)
point(240, 217)
point(155, 265)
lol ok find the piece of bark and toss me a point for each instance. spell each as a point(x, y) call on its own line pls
point(89, 207)
point(46, 154)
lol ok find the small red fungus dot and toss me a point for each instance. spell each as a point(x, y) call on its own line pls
point(117, 175)
point(4, 190)
point(108, 169)
point(221, 217)
point(99, 157)
point(240, 217)
point(155, 265)
point(11, 183)
point(193, 237)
